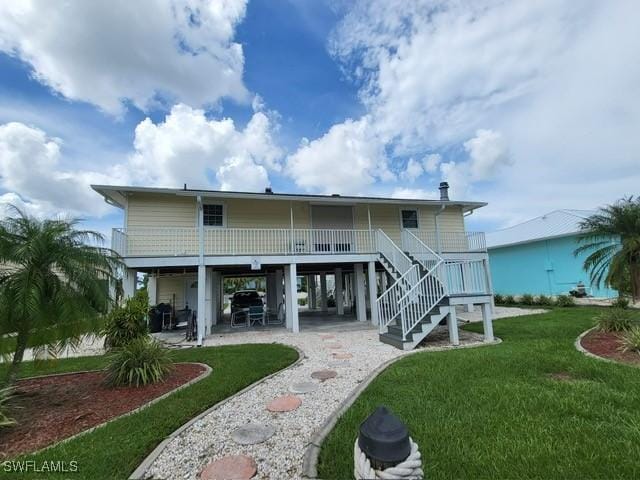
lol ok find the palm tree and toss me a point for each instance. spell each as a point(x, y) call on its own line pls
point(612, 241)
point(53, 284)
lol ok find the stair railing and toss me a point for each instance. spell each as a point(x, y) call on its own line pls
point(394, 255)
point(419, 250)
point(389, 301)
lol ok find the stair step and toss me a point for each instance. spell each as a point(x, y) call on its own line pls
point(395, 341)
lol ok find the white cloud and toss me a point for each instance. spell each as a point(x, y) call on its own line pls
point(412, 171)
point(431, 162)
point(108, 52)
point(188, 148)
point(349, 158)
point(414, 194)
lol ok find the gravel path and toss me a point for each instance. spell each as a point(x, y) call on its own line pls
point(281, 455)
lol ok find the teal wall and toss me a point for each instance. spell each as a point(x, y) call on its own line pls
point(546, 267)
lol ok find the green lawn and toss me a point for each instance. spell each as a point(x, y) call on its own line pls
point(494, 412)
point(115, 450)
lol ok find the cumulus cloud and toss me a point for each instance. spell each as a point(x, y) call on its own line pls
point(414, 194)
point(143, 51)
point(412, 171)
point(349, 158)
point(431, 162)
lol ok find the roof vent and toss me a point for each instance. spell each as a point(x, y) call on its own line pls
point(335, 194)
point(444, 191)
point(268, 190)
point(185, 186)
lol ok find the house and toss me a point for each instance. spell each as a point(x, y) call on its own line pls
point(403, 265)
point(537, 256)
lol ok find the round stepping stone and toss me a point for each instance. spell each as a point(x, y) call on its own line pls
point(236, 467)
point(303, 387)
point(323, 375)
point(341, 355)
point(285, 403)
point(252, 433)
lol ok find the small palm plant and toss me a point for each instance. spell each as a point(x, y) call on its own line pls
point(611, 241)
point(53, 285)
point(630, 340)
point(140, 362)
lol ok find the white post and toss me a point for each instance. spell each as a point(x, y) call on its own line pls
point(487, 322)
point(279, 290)
point(347, 289)
point(208, 300)
point(200, 314)
point(373, 292)
point(152, 289)
point(287, 292)
point(383, 281)
point(338, 291)
point(359, 292)
point(311, 292)
point(452, 325)
point(129, 281)
point(323, 292)
point(216, 298)
point(291, 285)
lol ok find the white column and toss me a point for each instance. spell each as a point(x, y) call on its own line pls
point(202, 281)
point(487, 322)
point(288, 319)
point(359, 292)
point(279, 288)
point(129, 281)
point(312, 301)
point(291, 285)
point(373, 292)
point(152, 289)
point(208, 300)
point(452, 325)
point(338, 291)
point(217, 303)
point(323, 292)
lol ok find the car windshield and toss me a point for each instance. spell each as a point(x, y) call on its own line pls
point(246, 295)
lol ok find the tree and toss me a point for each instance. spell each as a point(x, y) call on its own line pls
point(611, 238)
point(54, 284)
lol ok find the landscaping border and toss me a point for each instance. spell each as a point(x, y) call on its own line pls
point(139, 472)
point(581, 349)
point(202, 376)
point(310, 459)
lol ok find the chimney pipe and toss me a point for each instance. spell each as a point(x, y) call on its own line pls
point(444, 191)
point(268, 190)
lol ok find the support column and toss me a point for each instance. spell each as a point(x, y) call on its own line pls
point(129, 281)
point(312, 301)
point(323, 292)
point(290, 274)
point(208, 300)
point(452, 325)
point(200, 313)
point(279, 289)
point(338, 291)
point(272, 304)
point(217, 303)
point(383, 281)
point(152, 289)
point(487, 322)
point(359, 292)
point(373, 292)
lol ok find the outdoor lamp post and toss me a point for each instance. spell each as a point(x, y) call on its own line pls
point(384, 445)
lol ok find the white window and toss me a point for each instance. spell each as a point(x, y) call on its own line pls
point(212, 215)
point(409, 218)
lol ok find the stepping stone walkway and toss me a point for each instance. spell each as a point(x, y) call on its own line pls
point(333, 346)
point(327, 337)
point(303, 387)
point(324, 375)
point(341, 356)
point(285, 403)
point(236, 467)
point(252, 433)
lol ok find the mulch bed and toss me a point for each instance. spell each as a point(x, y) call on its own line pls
point(52, 408)
point(607, 345)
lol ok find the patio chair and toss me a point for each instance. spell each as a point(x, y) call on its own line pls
point(240, 318)
point(256, 315)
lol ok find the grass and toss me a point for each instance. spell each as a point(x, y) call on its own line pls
point(499, 412)
point(115, 450)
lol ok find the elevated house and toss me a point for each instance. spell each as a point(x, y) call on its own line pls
point(537, 257)
point(403, 265)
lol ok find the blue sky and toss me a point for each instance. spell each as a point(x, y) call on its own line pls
point(529, 106)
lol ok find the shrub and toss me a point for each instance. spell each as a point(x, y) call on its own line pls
point(527, 299)
point(126, 323)
point(140, 362)
point(302, 301)
point(5, 420)
point(498, 299)
point(509, 300)
point(565, 301)
point(631, 340)
point(544, 301)
point(614, 320)
point(620, 302)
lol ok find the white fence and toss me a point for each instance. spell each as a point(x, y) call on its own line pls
point(454, 241)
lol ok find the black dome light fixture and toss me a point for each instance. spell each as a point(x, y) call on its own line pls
point(384, 439)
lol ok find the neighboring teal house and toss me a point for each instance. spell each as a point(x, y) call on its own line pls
point(537, 257)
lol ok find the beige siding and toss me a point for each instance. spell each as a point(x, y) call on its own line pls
point(146, 211)
point(171, 289)
point(244, 213)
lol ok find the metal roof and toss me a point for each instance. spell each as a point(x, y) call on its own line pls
point(116, 195)
point(558, 223)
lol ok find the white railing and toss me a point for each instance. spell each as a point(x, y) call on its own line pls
point(466, 277)
point(389, 301)
point(419, 250)
point(421, 299)
point(240, 241)
point(394, 255)
point(454, 241)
